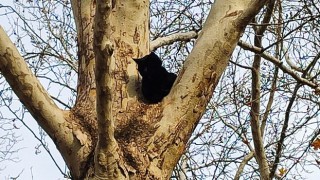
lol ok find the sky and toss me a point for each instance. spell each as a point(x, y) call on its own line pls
point(31, 165)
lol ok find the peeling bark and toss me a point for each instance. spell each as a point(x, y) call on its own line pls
point(39, 103)
point(194, 86)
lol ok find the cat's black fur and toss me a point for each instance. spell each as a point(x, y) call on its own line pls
point(156, 80)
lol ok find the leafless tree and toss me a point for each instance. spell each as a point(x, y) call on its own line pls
point(246, 112)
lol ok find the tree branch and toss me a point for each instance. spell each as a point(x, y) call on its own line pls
point(27, 87)
point(83, 15)
point(33, 95)
point(270, 101)
point(284, 129)
point(257, 135)
point(243, 164)
point(278, 63)
point(199, 76)
point(106, 155)
point(185, 36)
point(290, 63)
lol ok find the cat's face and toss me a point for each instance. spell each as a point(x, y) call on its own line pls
point(148, 64)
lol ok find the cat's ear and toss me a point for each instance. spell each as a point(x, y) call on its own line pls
point(155, 59)
point(153, 55)
point(137, 60)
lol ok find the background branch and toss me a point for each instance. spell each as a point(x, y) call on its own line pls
point(170, 39)
point(278, 63)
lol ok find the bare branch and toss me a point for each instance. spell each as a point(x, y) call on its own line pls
point(27, 87)
point(186, 36)
point(103, 49)
point(278, 63)
point(243, 164)
point(199, 76)
point(260, 153)
point(290, 63)
point(32, 94)
point(283, 135)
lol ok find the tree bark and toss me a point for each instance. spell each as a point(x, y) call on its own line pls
point(39, 103)
point(111, 133)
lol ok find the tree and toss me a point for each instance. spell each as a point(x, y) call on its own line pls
point(110, 133)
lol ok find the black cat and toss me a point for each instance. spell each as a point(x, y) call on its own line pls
point(156, 80)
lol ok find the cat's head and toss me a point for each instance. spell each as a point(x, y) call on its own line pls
point(148, 64)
